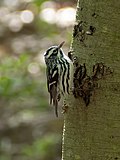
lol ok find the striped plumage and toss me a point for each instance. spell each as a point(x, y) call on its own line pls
point(58, 73)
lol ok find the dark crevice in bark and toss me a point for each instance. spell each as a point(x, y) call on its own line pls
point(84, 84)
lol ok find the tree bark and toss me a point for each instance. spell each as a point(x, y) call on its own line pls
point(93, 132)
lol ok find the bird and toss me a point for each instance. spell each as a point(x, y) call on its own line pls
point(58, 66)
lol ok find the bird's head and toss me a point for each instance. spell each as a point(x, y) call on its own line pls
point(54, 51)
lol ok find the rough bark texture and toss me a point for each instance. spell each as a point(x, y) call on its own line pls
point(93, 132)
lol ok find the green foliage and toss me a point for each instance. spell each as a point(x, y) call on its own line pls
point(39, 2)
point(4, 157)
point(16, 81)
point(42, 148)
point(43, 27)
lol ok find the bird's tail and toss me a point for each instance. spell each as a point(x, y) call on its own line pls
point(54, 99)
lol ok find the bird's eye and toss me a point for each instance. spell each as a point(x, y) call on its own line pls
point(55, 51)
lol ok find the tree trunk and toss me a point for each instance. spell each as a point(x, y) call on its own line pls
point(92, 129)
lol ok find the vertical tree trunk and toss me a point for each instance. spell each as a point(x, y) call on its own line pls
point(93, 132)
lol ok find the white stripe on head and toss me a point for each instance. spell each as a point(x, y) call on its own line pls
point(49, 52)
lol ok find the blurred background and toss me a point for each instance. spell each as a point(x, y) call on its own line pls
point(28, 126)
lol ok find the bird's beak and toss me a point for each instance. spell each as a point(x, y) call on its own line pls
point(61, 44)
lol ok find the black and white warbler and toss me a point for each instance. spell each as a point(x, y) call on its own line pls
point(58, 73)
